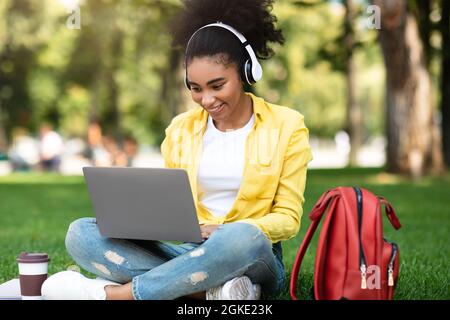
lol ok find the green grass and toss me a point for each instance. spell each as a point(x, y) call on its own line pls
point(36, 209)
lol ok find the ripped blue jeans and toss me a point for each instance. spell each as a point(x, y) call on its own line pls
point(164, 270)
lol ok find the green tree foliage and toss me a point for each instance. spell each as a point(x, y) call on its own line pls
point(119, 68)
point(109, 69)
point(307, 72)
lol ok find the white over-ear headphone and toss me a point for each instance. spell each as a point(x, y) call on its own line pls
point(251, 72)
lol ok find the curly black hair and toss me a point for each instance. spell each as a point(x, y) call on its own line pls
point(252, 18)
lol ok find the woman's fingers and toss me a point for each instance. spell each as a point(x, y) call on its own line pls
point(207, 230)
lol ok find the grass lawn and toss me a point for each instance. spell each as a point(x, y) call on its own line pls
point(36, 209)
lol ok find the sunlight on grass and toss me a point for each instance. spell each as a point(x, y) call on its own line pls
point(40, 178)
point(385, 178)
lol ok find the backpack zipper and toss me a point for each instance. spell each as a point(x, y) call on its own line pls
point(391, 263)
point(362, 258)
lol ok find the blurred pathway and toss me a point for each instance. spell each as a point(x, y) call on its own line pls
point(327, 154)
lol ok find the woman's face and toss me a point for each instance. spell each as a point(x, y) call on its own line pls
point(216, 87)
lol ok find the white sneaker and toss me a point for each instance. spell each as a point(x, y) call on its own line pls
point(71, 285)
point(240, 288)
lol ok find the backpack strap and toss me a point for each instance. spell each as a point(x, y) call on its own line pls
point(390, 213)
point(315, 215)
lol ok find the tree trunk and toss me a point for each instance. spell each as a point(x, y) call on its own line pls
point(354, 115)
point(3, 142)
point(112, 115)
point(445, 79)
point(170, 85)
point(423, 11)
point(411, 131)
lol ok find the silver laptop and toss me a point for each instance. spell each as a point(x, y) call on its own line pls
point(143, 203)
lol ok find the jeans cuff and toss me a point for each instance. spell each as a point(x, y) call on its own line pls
point(134, 288)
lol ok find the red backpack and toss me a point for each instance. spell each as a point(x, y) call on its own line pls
point(353, 260)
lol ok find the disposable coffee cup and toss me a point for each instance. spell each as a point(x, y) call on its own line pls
point(33, 269)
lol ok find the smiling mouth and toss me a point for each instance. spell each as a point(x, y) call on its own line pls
point(216, 109)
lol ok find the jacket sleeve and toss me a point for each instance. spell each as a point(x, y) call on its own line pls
point(166, 149)
point(283, 222)
point(170, 145)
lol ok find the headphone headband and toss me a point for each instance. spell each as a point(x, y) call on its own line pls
point(239, 35)
point(252, 70)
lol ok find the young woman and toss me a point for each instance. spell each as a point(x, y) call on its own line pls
point(246, 160)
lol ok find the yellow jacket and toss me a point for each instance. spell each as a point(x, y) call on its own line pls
point(273, 182)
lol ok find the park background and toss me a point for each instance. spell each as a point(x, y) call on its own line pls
point(374, 90)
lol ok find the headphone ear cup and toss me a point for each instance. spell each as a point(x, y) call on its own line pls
point(247, 72)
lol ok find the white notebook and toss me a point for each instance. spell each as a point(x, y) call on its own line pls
point(10, 290)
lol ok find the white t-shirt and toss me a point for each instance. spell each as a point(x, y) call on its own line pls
point(221, 167)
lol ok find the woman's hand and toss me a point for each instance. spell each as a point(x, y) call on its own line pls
point(208, 229)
